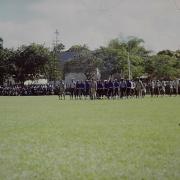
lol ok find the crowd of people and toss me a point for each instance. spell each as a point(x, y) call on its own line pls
point(92, 89)
point(27, 90)
point(114, 89)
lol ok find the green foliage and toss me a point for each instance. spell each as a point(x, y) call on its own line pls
point(54, 67)
point(58, 48)
point(110, 63)
point(167, 53)
point(164, 67)
point(115, 57)
point(79, 48)
point(6, 65)
point(30, 61)
point(85, 61)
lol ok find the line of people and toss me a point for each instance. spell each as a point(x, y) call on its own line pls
point(114, 89)
point(157, 88)
point(109, 89)
point(92, 89)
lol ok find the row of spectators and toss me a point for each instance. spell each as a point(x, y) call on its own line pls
point(26, 90)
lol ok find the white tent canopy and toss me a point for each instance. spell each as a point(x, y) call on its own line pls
point(38, 81)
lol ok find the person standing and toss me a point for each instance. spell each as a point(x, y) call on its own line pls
point(77, 90)
point(82, 89)
point(171, 88)
point(122, 87)
point(101, 86)
point(176, 85)
point(133, 85)
point(163, 88)
point(152, 87)
point(61, 90)
point(106, 87)
point(116, 88)
point(157, 87)
point(139, 88)
point(72, 87)
point(87, 89)
point(128, 91)
point(93, 89)
point(98, 90)
point(144, 90)
point(110, 89)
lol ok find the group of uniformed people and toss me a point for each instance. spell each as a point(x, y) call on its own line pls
point(92, 89)
point(157, 87)
point(101, 89)
point(113, 89)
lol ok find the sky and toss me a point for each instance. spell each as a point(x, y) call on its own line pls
point(91, 22)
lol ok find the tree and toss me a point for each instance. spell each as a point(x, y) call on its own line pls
point(84, 61)
point(1, 43)
point(34, 60)
point(6, 65)
point(166, 52)
point(138, 55)
point(55, 66)
point(89, 64)
point(111, 61)
point(79, 49)
point(58, 48)
point(30, 62)
point(115, 57)
point(164, 67)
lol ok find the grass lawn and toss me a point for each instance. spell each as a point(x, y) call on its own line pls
point(44, 138)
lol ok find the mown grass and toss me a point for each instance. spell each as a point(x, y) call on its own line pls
point(44, 138)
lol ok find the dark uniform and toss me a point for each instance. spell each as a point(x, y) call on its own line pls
point(87, 89)
point(99, 89)
point(128, 90)
point(123, 88)
point(110, 89)
point(157, 88)
point(116, 88)
point(171, 88)
point(72, 88)
point(82, 89)
point(77, 90)
point(106, 87)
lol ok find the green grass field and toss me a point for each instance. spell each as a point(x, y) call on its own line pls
point(43, 138)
